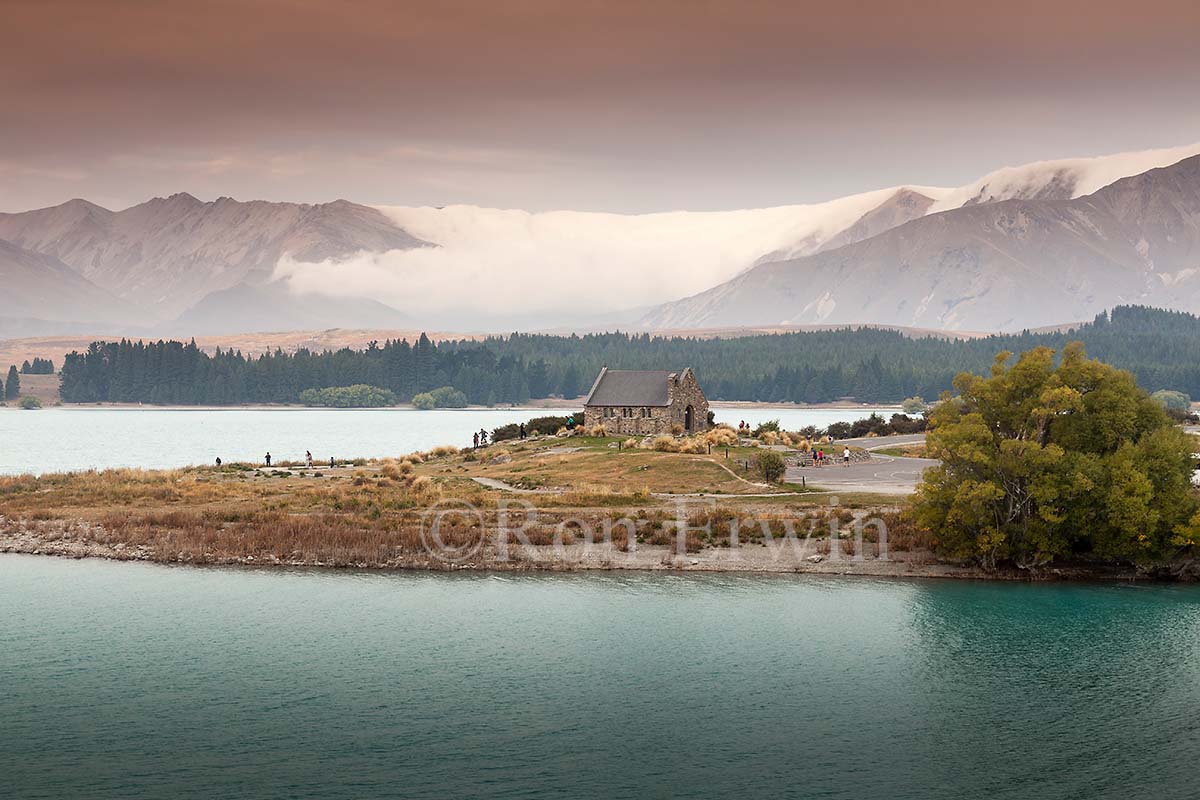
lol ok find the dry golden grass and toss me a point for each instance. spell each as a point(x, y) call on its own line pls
point(370, 515)
point(599, 468)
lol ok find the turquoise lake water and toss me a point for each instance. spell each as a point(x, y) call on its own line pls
point(77, 438)
point(143, 681)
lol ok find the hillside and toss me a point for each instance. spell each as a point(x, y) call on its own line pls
point(40, 288)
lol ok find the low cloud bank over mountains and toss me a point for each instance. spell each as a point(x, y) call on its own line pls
point(1041, 244)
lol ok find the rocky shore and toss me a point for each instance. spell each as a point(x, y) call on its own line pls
point(81, 539)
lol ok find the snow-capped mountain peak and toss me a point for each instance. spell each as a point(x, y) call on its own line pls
point(1061, 179)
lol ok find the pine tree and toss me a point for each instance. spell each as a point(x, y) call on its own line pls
point(12, 387)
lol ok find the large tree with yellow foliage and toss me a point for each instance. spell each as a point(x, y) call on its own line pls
point(1043, 460)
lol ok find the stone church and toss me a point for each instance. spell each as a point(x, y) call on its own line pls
point(646, 402)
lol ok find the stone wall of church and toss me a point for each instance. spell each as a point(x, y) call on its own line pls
point(683, 392)
point(630, 420)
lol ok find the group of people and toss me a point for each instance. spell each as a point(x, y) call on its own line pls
point(308, 460)
point(480, 439)
point(821, 458)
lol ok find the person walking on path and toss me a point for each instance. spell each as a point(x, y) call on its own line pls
point(331, 462)
point(483, 437)
point(268, 458)
point(846, 456)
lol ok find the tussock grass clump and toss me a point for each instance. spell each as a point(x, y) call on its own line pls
point(665, 444)
point(903, 533)
point(721, 436)
point(424, 488)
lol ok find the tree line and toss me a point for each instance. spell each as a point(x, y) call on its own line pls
point(867, 364)
point(39, 366)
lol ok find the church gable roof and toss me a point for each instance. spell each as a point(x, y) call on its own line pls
point(630, 387)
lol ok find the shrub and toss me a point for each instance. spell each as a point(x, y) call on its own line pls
point(506, 432)
point(360, 395)
point(769, 425)
point(900, 423)
point(449, 397)
point(548, 425)
point(538, 426)
point(1172, 400)
point(677, 429)
point(442, 397)
point(873, 424)
point(838, 430)
point(914, 405)
point(30, 403)
point(771, 466)
point(665, 444)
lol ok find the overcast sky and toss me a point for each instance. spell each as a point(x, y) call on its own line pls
point(546, 104)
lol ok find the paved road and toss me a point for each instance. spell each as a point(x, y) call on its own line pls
point(881, 475)
point(882, 442)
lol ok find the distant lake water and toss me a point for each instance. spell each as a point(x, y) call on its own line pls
point(140, 681)
point(75, 438)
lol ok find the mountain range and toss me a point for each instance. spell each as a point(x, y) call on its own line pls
point(998, 265)
point(1026, 246)
point(184, 265)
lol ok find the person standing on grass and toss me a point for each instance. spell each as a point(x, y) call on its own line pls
point(308, 458)
point(522, 430)
point(268, 458)
point(331, 462)
point(475, 441)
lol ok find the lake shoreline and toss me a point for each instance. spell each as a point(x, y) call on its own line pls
point(70, 540)
point(533, 405)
